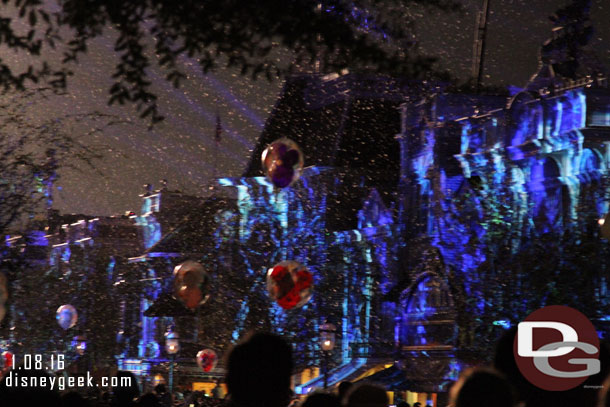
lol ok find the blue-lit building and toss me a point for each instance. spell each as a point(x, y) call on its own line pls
point(423, 215)
point(395, 219)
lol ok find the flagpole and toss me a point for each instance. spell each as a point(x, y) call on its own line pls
point(216, 148)
point(217, 137)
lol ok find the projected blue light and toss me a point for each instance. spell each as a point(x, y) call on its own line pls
point(502, 323)
point(524, 166)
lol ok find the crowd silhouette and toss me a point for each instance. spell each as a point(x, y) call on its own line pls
point(259, 370)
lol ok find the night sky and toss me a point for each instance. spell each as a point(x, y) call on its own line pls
point(182, 148)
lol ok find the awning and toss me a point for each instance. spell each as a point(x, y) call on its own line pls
point(395, 379)
point(350, 371)
point(167, 306)
point(392, 378)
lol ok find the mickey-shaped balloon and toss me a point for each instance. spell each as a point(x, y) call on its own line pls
point(290, 284)
point(282, 162)
point(191, 284)
point(66, 316)
point(207, 360)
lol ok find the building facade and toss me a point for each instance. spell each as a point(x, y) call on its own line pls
point(424, 216)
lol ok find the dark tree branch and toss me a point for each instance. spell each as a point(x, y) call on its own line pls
point(337, 34)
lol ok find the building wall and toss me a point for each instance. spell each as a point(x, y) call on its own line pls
point(507, 185)
point(472, 192)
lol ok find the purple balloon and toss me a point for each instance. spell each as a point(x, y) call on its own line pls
point(282, 162)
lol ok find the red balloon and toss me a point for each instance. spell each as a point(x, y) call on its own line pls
point(207, 360)
point(7, 359)
point(290, 284)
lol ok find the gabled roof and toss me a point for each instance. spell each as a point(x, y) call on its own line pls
point(194, 231)
point(332, 120)
point(348, 123)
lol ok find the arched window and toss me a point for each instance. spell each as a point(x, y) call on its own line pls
point(546, 194)
point(526, 118)
point(590, 162)
point(543, 170)
point(428, 316)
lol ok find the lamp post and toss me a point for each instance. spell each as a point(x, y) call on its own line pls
point(327, 344)
point(80, 344)
point(81, 365)
point(172, 346)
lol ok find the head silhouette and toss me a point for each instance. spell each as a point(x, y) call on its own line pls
point(604, 394)
point(504, 362)
point(367, 395)
point(127, 391)
point(481, 387)
point(259, 371)
point(343, 389)
point(37, 392)
point(321, 399)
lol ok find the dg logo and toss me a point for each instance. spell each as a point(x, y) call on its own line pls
point(557, 348)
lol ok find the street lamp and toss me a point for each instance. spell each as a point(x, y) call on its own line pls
point(80, 344)
point(81, 365)
point(172, 346)
point(327, 344)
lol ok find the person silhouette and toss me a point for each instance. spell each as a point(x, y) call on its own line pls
point(259, 370)
point(14, 393)
point(481, 387)
point(367, 395)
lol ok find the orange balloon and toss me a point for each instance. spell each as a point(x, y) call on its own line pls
point(191, 284)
